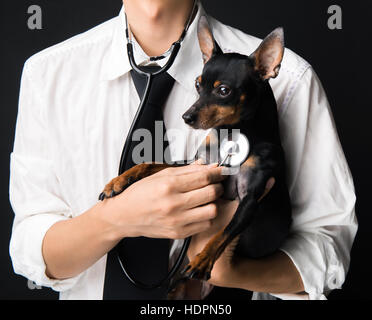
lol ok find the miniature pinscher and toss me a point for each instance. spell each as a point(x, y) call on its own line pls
point(234, 93)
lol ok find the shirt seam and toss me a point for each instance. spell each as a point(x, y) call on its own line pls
point(43, 55)
point(46, 126)
point(292, 89)
point(42, 114)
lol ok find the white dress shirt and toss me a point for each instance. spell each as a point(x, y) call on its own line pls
point(77, 101)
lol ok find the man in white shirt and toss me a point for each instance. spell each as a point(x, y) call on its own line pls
point(76, 105)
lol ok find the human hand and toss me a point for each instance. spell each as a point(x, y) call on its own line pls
point(174, 203)
point(222, 267)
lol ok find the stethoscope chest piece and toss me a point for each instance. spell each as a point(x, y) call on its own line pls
point(234, 150)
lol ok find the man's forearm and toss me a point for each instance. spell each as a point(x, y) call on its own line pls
point(273, 274)
point(71, 246)
point(181, 208)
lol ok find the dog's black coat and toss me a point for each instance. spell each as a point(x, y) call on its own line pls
point(265, 224)
point(234, 93)
point(262, 226)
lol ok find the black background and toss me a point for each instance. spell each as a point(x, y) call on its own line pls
point(341, 58)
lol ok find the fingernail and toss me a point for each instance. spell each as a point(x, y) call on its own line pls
point(230, 171)
point(226, 171)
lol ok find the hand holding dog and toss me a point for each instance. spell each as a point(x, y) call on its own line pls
point(173, 203)
point(222, 269)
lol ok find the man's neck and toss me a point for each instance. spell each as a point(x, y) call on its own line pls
point(156, 24)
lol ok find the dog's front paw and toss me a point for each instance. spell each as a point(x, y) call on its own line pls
point(116, 186)
point(200, 267)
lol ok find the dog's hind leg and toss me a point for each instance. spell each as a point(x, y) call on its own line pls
point(201, 266)
point(252, 183)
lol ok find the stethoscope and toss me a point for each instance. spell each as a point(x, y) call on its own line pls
point(233, 150)
point(172, 53)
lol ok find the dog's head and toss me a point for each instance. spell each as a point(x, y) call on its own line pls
point(229, 86)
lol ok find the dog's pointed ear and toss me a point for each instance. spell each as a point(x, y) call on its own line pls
point(269, 55)
point(208, 45)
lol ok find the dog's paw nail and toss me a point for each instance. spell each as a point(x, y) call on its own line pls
point(185, 269)
point(207, 276)
point(101, 196)
point(112, 194)
point(193, 274)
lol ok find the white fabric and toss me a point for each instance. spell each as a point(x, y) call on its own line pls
point(77, 101)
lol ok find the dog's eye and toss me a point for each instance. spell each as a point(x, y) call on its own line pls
point(197, 85)
point(223, 91)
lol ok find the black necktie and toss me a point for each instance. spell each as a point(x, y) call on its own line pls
point(145, 259)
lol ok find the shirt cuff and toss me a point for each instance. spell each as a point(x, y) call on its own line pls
point(26, 250)
point(311, 265)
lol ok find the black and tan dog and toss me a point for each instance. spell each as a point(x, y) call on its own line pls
point(234, 93)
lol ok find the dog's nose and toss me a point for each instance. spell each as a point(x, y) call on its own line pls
point(189, 117)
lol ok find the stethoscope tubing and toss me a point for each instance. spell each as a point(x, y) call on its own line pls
point(169, 276)
point(149, 77)
point(126, 150)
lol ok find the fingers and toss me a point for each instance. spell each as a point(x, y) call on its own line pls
point(177, 171)
point(193, 168)
point(198, 214)
point(200, 178)
point(199, 161)
point(193, 228)
point(202, 196)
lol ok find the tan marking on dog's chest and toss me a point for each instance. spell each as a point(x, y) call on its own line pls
point(251, 162)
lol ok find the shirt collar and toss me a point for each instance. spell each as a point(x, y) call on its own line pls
point(184, 70)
